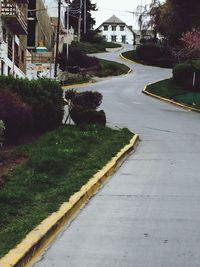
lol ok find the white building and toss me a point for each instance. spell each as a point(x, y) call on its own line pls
point(115, 30)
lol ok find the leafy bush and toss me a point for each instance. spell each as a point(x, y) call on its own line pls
point(16, 115)
point(84, 107)
point(88, 116)
point(66, 78)
point(77, 58)
point(43, 95)
point(183, 74)
point(155, 54)
point(148, 52)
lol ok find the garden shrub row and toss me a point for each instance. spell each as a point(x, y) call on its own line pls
point(35, 105)
point(154, 54)
point(188, 74)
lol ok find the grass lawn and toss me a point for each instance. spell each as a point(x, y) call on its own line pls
point(130, 55)
point(57, 165)
point(111, 68)
point(168, 89)
point(91, 48)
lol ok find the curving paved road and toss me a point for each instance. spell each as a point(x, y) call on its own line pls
point(148, 214)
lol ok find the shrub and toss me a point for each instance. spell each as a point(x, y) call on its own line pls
point(164, 62)
point(183, 74)
point(88, 100)
point(16, 115)
point(84, 107)
point(148, 52)
point(76, 58)
point(87, 116)
point(43, 95)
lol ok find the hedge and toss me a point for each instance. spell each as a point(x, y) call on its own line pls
point(44, 96)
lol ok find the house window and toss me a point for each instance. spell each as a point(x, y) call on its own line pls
point(104, 37)
point(121, 28)
point(113, 28)
point(124, 39)
point(105, 28)
point(113, 38)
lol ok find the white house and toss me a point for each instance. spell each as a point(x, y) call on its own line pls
point(115, 30)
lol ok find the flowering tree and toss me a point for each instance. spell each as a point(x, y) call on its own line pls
point(190, 45)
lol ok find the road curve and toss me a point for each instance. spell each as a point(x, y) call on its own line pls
point(147, 215)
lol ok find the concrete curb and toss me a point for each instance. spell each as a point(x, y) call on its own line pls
point(168, 100)
point(77, 85)
point(128, 60)
point(39, 238)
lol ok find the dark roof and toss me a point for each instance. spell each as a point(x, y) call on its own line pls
point(114, 19)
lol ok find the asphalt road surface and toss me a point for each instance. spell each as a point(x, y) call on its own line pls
point(148, 214)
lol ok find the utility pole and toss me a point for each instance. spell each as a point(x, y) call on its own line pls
point(57, 40)
point(79, 21)
point(1, 40)
point(67, 30)
point(85, 16)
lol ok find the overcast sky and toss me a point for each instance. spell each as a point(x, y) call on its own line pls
point(107, 8)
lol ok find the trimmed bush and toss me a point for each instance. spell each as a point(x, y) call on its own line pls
point(77, 58)
point(43, 95)
point(183, 74)
point(84, 107)
point(148, 52)
point(16, 115)
point(83, 116)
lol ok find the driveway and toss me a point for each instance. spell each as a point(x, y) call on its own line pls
point(148, 214)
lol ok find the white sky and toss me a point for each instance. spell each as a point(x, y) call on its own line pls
point(107, 8)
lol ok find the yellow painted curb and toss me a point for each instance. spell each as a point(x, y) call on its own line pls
point(169, 100)
point(77, 85)
point(39, 238)
point(128, 60)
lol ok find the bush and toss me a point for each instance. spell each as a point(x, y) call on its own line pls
point(44, 96)
point(76, 58)
point(84, 107)
point(16, 115)
point(164, 62)
point(83, 116)
point(183, 74)
point(148, 52)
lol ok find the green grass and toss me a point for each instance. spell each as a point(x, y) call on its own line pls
point(132, 56)
point(59, 163)
point(91, 48)
point(168, 89)
point(111, 68)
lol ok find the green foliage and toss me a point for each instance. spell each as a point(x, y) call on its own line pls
point(168, 89)
point(111, 68)
point(67, 78)
point(84, 107)
point(183, 74)
point(44, 96)
point(16, 115)
point(92, 47)
point(76, 58)
point(58, 165)
point(161, 56)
